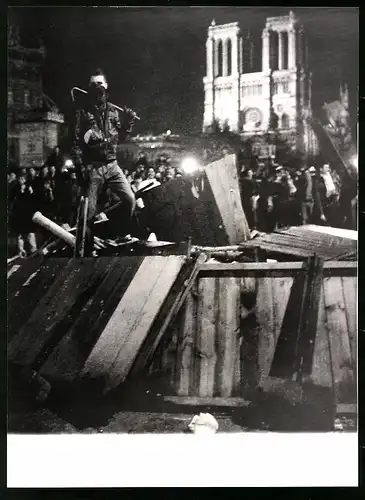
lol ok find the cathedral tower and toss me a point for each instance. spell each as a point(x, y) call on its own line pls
point(221, 84)
point(251, 102)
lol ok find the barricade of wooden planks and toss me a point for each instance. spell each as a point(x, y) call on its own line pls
point(95, 318)
point(227, 341)
point(219, 328)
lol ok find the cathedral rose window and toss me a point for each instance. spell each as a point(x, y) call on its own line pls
point(253, 116)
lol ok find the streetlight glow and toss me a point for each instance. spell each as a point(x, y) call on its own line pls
point(189, 165)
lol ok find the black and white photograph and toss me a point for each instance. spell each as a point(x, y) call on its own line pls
point(182, 220)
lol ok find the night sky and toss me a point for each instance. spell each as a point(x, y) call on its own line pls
point(155, 57)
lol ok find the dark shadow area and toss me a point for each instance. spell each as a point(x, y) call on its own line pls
point(271, 411)
point(81, 407)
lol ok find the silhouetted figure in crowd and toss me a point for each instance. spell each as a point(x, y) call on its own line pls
point(289, 210)
point(22, 210)
point(248, 196)
point(141, 162)
point(55, 159)
point(265, 220)
point(327, 197)
point(169, 174)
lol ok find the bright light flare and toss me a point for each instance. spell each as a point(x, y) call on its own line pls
point(68, 163)
point(189, 165)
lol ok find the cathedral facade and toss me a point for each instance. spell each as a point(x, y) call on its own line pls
point(278, 98)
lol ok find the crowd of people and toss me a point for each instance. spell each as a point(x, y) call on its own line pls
point(270, 200)
point(54, 190)
point(310, 195)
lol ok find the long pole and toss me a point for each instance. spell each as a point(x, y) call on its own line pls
point(114, 105)
point(54, 228)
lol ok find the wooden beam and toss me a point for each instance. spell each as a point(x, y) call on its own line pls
point(276, 269)
point(308, 328)
point(346, 408)
point(278, 249)
point(207, 401)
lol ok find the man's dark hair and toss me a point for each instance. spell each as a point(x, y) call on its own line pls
point(98, 72)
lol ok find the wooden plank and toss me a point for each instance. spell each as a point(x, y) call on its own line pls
point(239, 217)
point(344, 382)
point(304, 246)
point(322, 372)
point(35, 333)
point(84, 288)
point(279, 249)
point(248, 345)
point(286, 345)
point(160, 331)
point(138, 334)
point(349, 286)
point(277, 269)
point(20, 274)
point(206, 336)
point(224, 184)
point(309, 325)
point(281, 292)
point(124, 317)
point(186, 347)
point(106, 289)
point(291, 266)
point(24, 296)
point(266, 323)
point(117, 347)
point(171, 353)
point(346, 409)
point(165, 353)
point(208, 401)
point(227, 324)
point(177, 296)
point(220, 191)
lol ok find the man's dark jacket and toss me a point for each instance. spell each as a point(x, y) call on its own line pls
point(105, 128)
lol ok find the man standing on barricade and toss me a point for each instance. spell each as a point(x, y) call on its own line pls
point(99, 127)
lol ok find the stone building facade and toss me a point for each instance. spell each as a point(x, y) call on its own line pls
point(276, 98)
point(33, 120)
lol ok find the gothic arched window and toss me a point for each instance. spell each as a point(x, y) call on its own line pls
point(229, 57)
point(274, 50)
point(285, 121)
point(285, 48)
point(219, 58)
